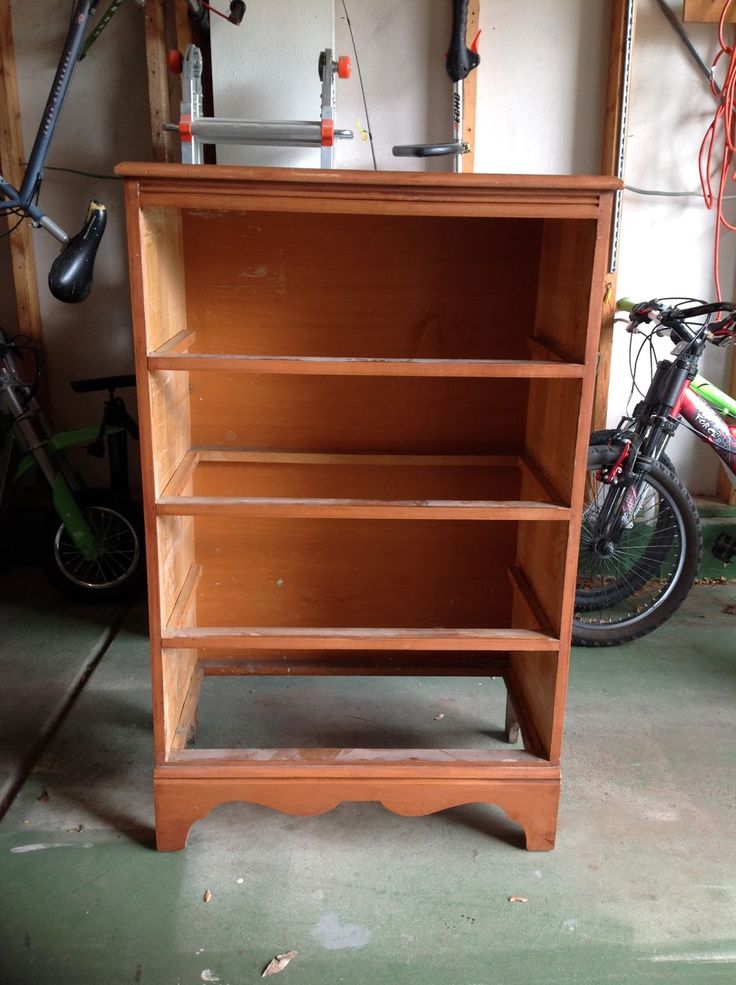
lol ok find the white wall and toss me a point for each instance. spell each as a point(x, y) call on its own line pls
point(267, 70)
point(541, 86)
point(540, 82)
point(401, 48)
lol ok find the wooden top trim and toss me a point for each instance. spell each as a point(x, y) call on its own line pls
point(182, 173)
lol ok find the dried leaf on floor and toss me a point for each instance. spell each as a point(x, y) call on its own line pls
point(278, 963)
point(43, 798)
point(518, 899)
point(207, 896)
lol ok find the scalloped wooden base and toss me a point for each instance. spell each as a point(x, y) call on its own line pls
point(180, 801)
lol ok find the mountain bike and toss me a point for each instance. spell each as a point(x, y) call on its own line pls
point(641, 539)
point(93, 542)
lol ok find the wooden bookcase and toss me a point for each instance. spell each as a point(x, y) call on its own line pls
point(364, 402)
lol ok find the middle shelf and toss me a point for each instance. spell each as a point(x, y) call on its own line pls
point(276, 583)
point(292, 484)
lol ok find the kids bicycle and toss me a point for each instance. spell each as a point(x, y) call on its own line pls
point(93, 542)
point(641, 540)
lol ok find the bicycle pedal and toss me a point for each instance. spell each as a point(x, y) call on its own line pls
point(724, 547)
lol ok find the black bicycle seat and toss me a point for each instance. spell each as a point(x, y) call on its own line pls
point(102, 383)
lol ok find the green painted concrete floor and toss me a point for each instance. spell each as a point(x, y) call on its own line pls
point(641, 887)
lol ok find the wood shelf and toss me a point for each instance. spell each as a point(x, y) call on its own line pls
point(330, 638)
point(317, 427)
point(400, 487)
point(465, 763)
point(360, 509)
point(349, 366)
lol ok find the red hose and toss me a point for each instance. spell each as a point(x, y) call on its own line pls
point(722, 130)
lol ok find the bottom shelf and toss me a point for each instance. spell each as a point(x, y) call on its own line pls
point(409, 787)
point(374, 748)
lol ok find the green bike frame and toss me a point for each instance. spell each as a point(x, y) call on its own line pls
point(63, 496)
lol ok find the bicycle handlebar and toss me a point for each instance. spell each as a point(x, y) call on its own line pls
point(642, 310)
point(675, 319)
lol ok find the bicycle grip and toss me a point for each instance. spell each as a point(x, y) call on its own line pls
point(460, 60)
point(427, 150)
point(625, 304)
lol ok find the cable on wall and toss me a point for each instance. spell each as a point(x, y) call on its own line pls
point(362, 88)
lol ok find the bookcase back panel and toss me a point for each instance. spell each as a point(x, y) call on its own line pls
point(364, 285)
point(366, 414)
point(382, 479)
point(353, 573)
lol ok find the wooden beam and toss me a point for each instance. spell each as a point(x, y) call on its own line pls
point(705, 12)
point(470, 91)
point(158, 79)
point(22, 253)
point(609, 166)
point(605, 345)
point(182, 24)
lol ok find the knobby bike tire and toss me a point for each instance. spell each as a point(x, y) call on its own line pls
point(604, 450)
point(132, 573)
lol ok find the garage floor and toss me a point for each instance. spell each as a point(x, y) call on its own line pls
point(641, 886)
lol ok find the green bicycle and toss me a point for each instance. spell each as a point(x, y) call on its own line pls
point(93, 540)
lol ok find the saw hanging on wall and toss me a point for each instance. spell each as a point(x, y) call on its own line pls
point(460, 61)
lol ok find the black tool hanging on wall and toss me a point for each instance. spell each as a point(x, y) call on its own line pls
point(459, 62)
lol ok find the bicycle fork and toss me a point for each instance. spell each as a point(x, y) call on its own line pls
point(34, 437)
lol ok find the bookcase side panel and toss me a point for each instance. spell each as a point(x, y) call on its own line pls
point(565, 281)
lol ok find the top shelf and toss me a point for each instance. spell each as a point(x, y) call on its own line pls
point(177, 355)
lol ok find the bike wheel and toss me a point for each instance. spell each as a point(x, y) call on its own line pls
point(117, 571)
point(627, 588)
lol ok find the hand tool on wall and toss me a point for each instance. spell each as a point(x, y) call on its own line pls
point(199, 11)
point(459, 62)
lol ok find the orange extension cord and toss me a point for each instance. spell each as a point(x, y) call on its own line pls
point(722, 130)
